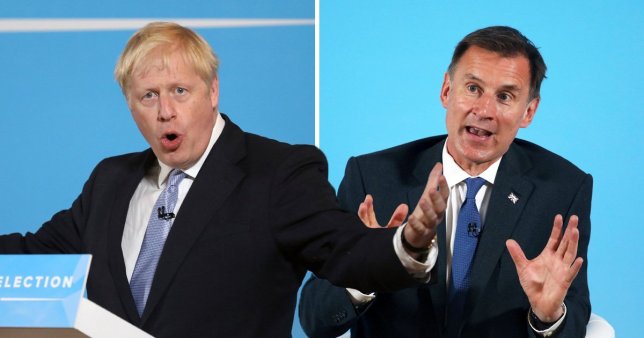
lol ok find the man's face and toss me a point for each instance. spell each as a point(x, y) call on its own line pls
point(173, 107)
point(487, 101)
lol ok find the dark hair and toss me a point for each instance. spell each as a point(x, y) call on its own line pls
point(508, 42)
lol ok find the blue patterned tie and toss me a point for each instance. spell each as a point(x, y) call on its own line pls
point(155, 235)
point(468, 228)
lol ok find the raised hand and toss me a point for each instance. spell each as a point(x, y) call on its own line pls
point(546, 278)
point(367, 214)
point(422, 223)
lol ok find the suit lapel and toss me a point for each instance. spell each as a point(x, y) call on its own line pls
point(118, 214)
point(216, 180)
point(510, 194)
point(437, 285)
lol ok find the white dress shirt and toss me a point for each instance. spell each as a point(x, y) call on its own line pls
point(146, 195)
point(455, 177)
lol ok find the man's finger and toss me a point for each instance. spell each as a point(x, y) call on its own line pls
point(439, 204)
point(434, 176)
point(518, 257)
point(362, 213)
point(572, 244)
point(432, 180)
point(555, 234)
point(371, 211)
point(567, 238)
point(434, 197)
point(399, 216)
point(367, 214)
point(443, 188)
point(574, 270)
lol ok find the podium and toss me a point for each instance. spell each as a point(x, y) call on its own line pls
point(43, 296)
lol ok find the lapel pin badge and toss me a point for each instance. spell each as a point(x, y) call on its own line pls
point(513, 198)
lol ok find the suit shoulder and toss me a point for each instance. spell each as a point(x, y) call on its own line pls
point(126, 163)
point(544, 160)
point(125, 159)
point(405, 152)
point(401, 159)
point(266, 150)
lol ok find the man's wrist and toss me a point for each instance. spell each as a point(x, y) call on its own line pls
point(545, 329)
point(548, 319)
point(412, 249)
point(418, 269)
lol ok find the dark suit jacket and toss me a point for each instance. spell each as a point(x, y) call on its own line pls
point(545, 184)
point(259, 214)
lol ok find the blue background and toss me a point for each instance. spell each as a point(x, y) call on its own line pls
point(62, 111)
point(382, 65)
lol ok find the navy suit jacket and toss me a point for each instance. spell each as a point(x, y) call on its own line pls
point(545, 184)
point(258, 215)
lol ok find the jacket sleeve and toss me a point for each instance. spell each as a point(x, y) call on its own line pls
point(326, 310)
point(578, 298)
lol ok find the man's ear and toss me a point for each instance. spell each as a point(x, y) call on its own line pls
point(214, 93)
point(445, 90)
point(530, 111)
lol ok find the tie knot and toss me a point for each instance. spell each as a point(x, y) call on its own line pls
point(176, 175)
point(474, 184)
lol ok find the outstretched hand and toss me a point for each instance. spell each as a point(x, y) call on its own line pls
point(422, 223)
point(367, 214)
point(546, 278)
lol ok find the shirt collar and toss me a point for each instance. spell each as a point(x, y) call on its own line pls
point(164, 169)
point(454, 174)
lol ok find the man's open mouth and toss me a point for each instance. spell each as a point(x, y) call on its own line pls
point(171, 141)
point(478, 131)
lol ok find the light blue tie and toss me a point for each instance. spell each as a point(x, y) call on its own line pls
point(155, 236)
point(468, 228)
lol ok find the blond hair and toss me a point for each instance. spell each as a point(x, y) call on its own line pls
point(166, 37)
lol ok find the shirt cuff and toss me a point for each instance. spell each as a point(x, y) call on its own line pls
point(552, 329)
point(418, 270)
point(359, 298)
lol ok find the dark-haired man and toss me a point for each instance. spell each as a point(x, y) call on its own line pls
point(504, 194)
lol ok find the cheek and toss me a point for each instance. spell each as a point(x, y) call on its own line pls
point(452, 124)
point(462, 103)
point(203, 117)
point(141, 119)
point(511, 121)
point(144, 122)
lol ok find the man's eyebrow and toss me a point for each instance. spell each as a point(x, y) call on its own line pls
point(507, 87)
point(471, 76)
point(510, 88)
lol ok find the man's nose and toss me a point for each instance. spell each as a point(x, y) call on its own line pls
point(485, 107)
point(166, 108)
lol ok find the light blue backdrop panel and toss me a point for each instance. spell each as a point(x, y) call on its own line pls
point(62, 111)
point(382, 65)
point(157, 9)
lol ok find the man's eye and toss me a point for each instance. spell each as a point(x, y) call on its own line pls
point(472, 88)
point(180, 90)
point(149, 95)
point(504, 97)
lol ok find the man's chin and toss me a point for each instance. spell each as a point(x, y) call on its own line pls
point(173, 160)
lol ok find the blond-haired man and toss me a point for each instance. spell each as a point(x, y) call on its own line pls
point(211, 230)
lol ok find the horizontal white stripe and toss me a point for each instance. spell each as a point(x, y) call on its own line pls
point(62, 25)
point(17, 299)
